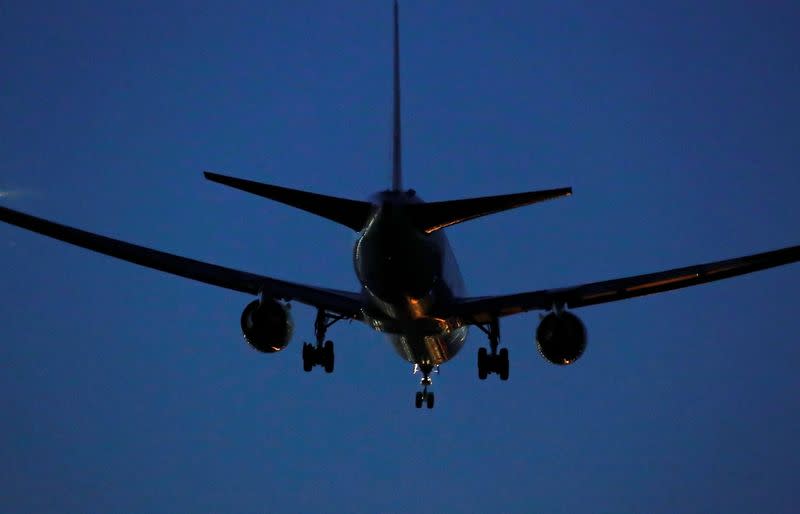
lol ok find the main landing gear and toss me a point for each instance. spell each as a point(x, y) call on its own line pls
point(493, 361)
point(424, 396)
point(322, 353)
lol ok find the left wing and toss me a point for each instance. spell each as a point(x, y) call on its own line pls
point(483, 309)
point(340, 302)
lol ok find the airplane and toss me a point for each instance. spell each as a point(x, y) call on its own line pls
point(411, 287)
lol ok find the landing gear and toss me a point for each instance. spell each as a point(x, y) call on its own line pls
point(320, 354)
point(424, 396)
point(493, 361)
point(314, 355)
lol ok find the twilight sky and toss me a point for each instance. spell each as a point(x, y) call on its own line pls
point(128, 390)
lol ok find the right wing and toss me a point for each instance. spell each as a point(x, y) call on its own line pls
point(483, 309)
point(340, 302)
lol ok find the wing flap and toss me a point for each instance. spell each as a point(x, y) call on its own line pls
point(341, 302)
point(483, 309)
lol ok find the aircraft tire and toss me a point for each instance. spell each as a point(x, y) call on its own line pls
point(482, 371)
point(328, 356)
point(503, 364)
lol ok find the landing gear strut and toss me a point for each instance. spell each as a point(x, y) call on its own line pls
point(424, 396)
point(493, 361)
point(322, 353)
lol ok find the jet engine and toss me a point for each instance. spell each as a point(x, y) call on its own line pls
point(267, 325)
point(561, 338)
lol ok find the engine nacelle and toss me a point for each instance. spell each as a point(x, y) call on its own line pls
point(267, 325)
point(561, 338)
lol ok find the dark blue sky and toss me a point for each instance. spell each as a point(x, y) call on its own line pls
point(127, 390)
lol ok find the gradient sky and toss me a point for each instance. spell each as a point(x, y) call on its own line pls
point(128, 390)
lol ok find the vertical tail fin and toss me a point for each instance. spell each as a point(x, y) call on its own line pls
point(397, 170)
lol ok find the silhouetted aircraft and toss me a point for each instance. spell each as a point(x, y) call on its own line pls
point(411, 288)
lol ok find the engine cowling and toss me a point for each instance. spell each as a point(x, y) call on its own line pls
point(267, 325)
point(561, 338)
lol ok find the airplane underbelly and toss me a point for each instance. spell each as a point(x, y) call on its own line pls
point(431, 349)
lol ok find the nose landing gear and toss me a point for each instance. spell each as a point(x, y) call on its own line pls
point(424, 396)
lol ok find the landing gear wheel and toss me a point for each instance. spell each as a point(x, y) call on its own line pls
point(502, 364)
point(320, 354)
point(482, 371)
point(426, 367)
point(328, 357)
point(493, 361)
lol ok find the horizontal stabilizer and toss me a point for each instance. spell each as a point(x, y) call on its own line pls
point(350, 213)
point(430, 217)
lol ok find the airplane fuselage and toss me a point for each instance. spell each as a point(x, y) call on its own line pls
point(405, 273)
